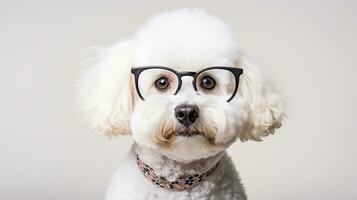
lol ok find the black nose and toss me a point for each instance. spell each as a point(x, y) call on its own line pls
point(186, 114)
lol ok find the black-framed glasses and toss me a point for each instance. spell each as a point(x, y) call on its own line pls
point(218, 81)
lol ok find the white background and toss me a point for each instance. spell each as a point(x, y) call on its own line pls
point(47, 152)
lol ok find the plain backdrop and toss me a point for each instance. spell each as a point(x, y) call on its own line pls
point(47, 152)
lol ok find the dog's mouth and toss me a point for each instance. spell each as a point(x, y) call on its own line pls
point(192, 132)
point(188, 133)
point(169, 131)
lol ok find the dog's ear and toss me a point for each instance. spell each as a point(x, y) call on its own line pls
point(106, 90)
point(264, 105)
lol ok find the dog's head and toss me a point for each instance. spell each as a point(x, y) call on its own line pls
point(180, 87)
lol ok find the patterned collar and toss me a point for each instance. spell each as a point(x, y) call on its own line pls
point(182, 183)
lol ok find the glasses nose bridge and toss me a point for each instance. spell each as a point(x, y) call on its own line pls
point(186, 73)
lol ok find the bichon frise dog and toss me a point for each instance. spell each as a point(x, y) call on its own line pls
point(182, 90)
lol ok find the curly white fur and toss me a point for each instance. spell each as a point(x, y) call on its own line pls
point(187, 39)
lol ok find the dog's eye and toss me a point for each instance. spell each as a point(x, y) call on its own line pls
point(162, 83)
point(208, 83)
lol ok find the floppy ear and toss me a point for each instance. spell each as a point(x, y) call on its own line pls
point(105, 90)
point(264, 105)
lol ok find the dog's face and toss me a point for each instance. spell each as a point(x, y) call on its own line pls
point(187, 117)
point(184, 110)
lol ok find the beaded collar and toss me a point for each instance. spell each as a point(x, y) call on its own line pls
point(182, 183)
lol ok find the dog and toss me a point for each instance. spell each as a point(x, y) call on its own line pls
point(181, 88)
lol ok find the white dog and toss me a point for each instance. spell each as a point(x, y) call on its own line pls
point(182, 90)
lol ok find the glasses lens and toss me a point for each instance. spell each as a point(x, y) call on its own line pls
point(157, 82)
point(218, 82)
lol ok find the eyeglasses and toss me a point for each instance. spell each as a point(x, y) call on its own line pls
point(217, 81)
